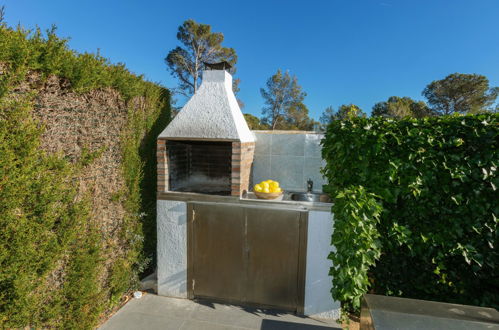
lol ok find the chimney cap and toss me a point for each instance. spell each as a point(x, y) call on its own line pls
point(217, 66)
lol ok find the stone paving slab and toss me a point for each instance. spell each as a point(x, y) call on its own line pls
point(154, 312)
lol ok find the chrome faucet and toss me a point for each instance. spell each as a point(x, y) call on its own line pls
point(310, 185)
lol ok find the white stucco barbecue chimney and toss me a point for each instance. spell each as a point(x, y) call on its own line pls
point(208, 147)
point(212, 113)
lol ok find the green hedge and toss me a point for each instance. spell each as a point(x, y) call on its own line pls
point(44, 228)
point(436, 181)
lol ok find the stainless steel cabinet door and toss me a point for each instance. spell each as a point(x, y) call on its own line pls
point(273, 238)
point(249, 255)
point(217, 254)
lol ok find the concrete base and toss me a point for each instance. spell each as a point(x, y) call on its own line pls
point(149, 283)
point(172, 258)
point(172, 248)
point(318, 284)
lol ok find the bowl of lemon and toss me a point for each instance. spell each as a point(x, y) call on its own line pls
point(268, 189)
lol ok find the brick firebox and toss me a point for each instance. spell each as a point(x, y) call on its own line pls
point(242, 158)
point(237, 177)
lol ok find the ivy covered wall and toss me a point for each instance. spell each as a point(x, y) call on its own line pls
point(416, 208)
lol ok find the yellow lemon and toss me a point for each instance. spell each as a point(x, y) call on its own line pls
point(275, 189)
point(274, 185)
point(265, 185)
point(258, 188)
point(266, 190)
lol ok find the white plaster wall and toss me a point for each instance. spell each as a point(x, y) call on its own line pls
point(318, 284)
point(172, 248)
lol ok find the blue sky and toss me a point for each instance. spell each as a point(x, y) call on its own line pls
point(342, 51)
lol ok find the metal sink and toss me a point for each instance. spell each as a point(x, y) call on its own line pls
point(309, 197)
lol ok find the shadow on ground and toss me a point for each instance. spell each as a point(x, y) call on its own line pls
point(283, 325)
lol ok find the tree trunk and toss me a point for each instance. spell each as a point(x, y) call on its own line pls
point(274, 121)
point(196, 75)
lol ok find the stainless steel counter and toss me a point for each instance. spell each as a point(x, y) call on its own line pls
point(250, 199)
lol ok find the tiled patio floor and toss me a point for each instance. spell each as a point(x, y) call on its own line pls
point(154, 312)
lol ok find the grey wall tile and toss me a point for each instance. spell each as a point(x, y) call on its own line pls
point(288, 158)
point(263, 143)
point(313, 145)
point(260, 170)
point(311, 169)
point(288, 144)
point(288, 170)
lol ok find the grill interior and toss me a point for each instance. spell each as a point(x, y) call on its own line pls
point(200, 166)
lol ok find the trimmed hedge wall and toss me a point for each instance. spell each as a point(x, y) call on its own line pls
point(415, 207)
point(53, 268)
